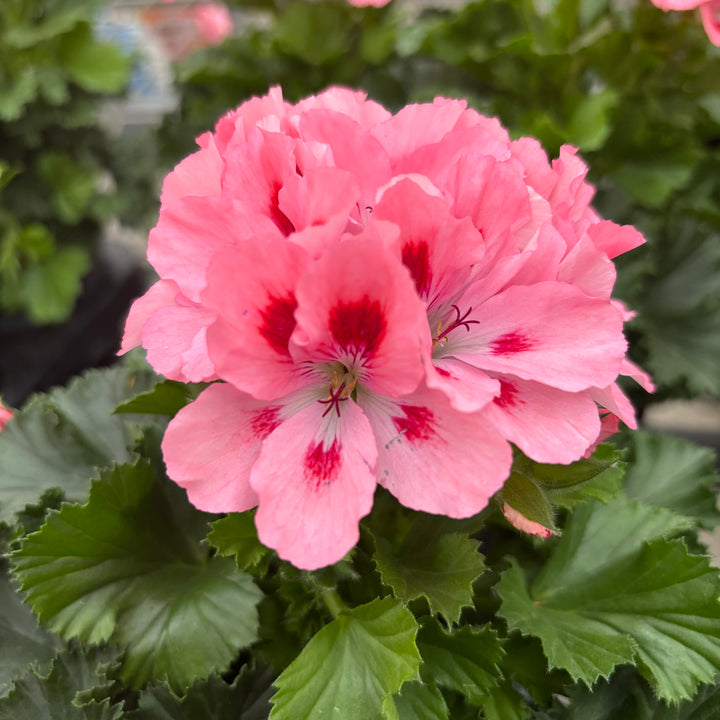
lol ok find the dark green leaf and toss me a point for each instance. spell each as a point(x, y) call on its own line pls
point(128, 566)
point(350, 667)
point(416, 701)
point(54, 697)
point(21, 640)
point(442, 571)
point(236, 535)
point(166, 398)
point(613, 593)
point(464, 659)
point(675, 474)
point(62, 438)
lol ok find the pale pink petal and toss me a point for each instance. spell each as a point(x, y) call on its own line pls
point(357, 306)
point(609, 425)
point(467, 388)
point(612, 398)
point(175, 339)
point(211, 445)
point(200, 174)
point(315, 481)
point(519, 521)
point(549, 332)
point(418, 125)
point(191, 230)
point(434, 458)
point(252, 290)
point(710, 13)
point(353, 103)
point(548, 425)
point(588, 268)
point(638, 375)
point(161, 294)
point(677, 4)
point(369, 3)
point(614, 239)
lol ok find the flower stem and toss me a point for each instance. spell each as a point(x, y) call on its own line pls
point(333, 601)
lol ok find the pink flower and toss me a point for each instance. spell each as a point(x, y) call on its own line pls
point(214, 22)
point(369, 3)
point(387, 299)
point(709, 12)
point(5, 415)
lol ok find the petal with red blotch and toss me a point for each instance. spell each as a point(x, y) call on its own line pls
point(548, 425)
point(550, 332)
point(710, 14)
point(357, 305)
point(434, 458)
point(175, 339)
point(614, 239)
point(211, 445)
point(252, 290)
point(191, 230)
point(437, 248)
point(467, 388)
point(314, 479)
point(200, 174)
point(161, 294)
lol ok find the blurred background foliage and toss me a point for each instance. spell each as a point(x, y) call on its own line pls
point(636, 89)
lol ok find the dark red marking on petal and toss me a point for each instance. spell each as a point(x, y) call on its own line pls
point(416, 424)
point(416, 258)
point(322, 464)
point(359, 326)
point(264, 422)
point(442, 372)
point(510, 343)
point(278, 322)
point(276, 214)
point(508, 395)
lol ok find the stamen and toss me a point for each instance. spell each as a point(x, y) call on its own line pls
point(336, 397)
point(459, 321)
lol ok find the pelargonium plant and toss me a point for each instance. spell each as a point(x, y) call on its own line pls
point(377, 299)
point(367, 476)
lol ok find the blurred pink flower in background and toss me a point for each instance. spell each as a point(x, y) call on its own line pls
point(369, 3)
point(214, 22)
point(5, 415)
point(709, 12)
point(389, 299)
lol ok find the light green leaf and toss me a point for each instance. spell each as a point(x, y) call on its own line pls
point(615, 591)
point(589, 125)
point(675, 474)
point(129, 567)
point(236, 535)
point(21, 640)
point(54, 696)
point(14, 96)
point(72, 183)
point(350, 666)
point(464, 659)
point(62, 438)
point(416, 701)
point(95, 66)
point(443, 571)
point(47, 290)
point(248, 698)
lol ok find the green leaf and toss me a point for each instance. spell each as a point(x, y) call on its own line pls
point(589, 125)
point(675, 474)
point(54, 696)
point(236, 535)
point(47, 290)
point(72, 183)
point(351, 665)
point(166, 398)
point(465, 659)
point(524, 495)
point(248, 698)
point(442, 571)
point(62, 438)
point(97, 67)
point(128, 567)
point(21, 640)
point(416, 701)
point(614, 592)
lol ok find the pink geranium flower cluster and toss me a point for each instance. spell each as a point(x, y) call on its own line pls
point(709, 12)
point(389, 299)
